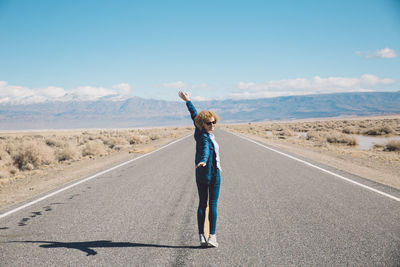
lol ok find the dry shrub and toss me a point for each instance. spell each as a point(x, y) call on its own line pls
point(340, 138)
point(53, 142)
point(393, 145)
point(13, 170)
point(138, 139)
point(379, 130)
point(315, 136)
point(85, 139)
point(288, 132)
point(350, 130)
point(283, 132)
point(67, 152)
point(91, 138)
point(12, 147)
point(29, 167)
point(94, 148)
point(155, 137)
point(299, 127)
point(111, 142)
point(145, 139)
point(33, 154)
point(4, 156)
point(118, 147)
point(121, 140)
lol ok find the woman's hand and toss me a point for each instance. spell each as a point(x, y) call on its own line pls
point(201, 164)
point(184, 96)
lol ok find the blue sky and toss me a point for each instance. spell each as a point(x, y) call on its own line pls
point(58, 50)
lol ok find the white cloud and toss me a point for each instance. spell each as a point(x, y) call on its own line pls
point(52, 92)
point(386, 53)
point(382, 53)
point(14, 94)
point(123, 88)
point(10, 92)
point(90, 93)
point(316, 85)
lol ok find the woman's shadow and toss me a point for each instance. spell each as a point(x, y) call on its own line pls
point(88, 247)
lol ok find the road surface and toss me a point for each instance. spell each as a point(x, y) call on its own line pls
point(273, 211)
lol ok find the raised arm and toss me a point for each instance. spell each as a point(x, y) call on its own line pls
point(193, 113)
point(185, 97)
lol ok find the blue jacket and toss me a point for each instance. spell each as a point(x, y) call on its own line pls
point(204, 151)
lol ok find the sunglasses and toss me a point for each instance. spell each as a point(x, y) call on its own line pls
point(211, 122)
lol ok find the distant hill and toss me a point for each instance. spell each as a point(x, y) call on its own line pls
point(139, 112)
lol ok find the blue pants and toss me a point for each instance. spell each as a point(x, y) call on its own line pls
point(204, 190)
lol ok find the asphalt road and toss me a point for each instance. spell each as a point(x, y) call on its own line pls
point(273, 211)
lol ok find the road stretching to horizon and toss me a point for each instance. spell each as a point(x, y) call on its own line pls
point(273, 211)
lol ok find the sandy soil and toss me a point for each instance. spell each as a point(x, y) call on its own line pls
point(37, 182)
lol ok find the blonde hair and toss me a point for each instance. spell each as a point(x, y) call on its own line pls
point(203, 117)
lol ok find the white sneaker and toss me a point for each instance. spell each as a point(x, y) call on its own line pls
point(203, 241)
point(212, 240)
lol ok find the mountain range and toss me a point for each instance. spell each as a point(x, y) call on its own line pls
point(139, 112)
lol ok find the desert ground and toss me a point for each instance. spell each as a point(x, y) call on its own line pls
point(335, 142)
point(32, 163)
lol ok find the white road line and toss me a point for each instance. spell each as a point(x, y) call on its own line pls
point(319, 168)
point(87, 179)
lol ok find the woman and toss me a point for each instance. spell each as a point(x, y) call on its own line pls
point(207, 168)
